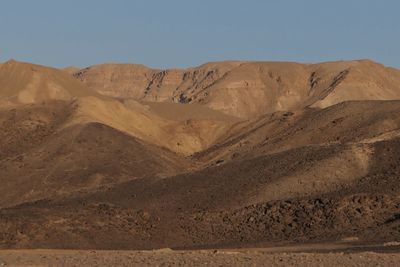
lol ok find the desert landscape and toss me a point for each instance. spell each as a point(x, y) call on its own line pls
point(230, 163)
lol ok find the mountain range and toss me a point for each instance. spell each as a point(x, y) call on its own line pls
point(226, 154)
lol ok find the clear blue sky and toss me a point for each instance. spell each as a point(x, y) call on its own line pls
point(181, 33)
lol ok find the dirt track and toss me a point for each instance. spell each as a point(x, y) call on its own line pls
point(192, 258)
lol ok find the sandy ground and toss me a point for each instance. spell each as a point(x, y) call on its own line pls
point(194, 258)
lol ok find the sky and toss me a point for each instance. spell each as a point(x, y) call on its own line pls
point(183, 33)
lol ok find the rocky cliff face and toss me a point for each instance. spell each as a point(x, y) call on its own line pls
point(247, 89)
point(117, 80)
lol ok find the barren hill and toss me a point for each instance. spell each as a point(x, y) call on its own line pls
point(29, 83)
point(246, 89)
point(347, 122)
point(22, 83)
point(280, 197)
point(40, 157)
point(225, 154)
